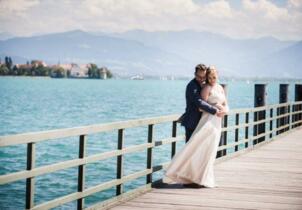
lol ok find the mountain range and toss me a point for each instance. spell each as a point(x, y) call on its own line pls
point(161, 53)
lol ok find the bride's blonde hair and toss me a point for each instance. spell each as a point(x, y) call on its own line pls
point(210, 70)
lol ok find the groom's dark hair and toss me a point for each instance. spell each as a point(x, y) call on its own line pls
point(200, 67)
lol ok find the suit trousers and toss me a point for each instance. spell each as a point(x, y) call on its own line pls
point(189, 133)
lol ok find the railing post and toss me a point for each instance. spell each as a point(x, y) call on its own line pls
point(174, 132)
point(81, 171)
point(223, 139)
point(237, 131)
point(271, 123)
point(30, 182)
point(247, 129)
point(293, 115)
point(290, 117)
point(289, 120)
point(149, 153)
point(298, 97)
point(283, 98)
point(260, 100)
point(119, 166)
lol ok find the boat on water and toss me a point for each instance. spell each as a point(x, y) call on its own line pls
point(137, 77)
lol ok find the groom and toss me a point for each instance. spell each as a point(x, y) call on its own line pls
point(194, 102)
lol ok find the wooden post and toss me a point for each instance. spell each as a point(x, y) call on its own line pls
point(290, 117)
point(30, 182)
point(283, 98)
point(119, 166)
point(81, 171)
point(298, 97)
point(260, 100)
point(223, 139)
point(247, 129)
point(237, 132)
point(149, 153)
point(271, 123)
point(174, 132)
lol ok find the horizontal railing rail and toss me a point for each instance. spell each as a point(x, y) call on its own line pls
point(291, 118)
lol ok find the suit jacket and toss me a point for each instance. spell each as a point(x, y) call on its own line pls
point(192, 115)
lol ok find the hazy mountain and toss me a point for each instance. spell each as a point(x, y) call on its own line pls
point(5, 35)
point(231, 56)
point(122, 56)
point(285, 62)
point(162, 53)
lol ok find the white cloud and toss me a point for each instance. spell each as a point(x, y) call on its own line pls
point(297, 4)
point(264, 9)
point(250, 19)
point(16, 7)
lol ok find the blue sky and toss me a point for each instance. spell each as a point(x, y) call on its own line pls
point(236, 19)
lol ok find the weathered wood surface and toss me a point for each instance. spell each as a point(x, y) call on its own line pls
point(269, 177)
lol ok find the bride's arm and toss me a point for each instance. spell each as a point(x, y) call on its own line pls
point(225, 103)
point(205, 92)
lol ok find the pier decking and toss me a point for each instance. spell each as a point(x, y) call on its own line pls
point(266, 175)
point(269, 177)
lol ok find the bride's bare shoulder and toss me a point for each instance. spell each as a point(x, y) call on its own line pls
point(220, 87)
point(206, 88)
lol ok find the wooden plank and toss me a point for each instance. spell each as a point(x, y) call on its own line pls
point(224, 202)
point(70, 163)
point(121, 198)
point(84, 130)
point(268, 177)
point(75, 196)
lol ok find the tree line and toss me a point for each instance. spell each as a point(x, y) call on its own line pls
point(36, 68)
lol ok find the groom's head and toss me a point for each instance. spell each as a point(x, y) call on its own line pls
point(200, 73)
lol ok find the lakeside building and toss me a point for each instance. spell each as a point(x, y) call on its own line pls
point(75, 70)
point(81, 71)
point(103, 73)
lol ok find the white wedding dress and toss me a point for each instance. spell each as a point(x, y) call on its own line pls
point(195, 161)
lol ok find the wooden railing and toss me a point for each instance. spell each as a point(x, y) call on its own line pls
point(264, 128)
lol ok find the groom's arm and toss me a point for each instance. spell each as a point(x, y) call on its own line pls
point(194, 95)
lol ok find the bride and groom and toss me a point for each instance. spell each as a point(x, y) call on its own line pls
point(206, 104)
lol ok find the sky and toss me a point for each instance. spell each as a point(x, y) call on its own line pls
point(237, 19)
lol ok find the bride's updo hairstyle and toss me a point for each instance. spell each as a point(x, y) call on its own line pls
point(210, 70)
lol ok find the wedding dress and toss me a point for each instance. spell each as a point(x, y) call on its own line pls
point(195, 161)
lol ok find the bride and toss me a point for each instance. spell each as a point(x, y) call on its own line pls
point(194, 163)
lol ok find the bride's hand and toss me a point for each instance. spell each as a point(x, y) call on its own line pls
point(219, 106)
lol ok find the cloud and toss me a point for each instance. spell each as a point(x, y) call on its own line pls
point(16, 7)
point(296, 4)
point(264, 9)
point(248, 19)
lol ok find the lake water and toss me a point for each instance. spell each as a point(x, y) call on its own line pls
point(36, 104)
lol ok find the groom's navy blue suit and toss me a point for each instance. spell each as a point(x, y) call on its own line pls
point(192, 115)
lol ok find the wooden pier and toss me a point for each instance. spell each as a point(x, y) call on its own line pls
point(269, 177)
point(266, 173)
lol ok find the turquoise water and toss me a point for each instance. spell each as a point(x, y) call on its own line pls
point(36, 104)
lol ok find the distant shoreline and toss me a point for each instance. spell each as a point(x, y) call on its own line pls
point(223, 79)
point(30, 76)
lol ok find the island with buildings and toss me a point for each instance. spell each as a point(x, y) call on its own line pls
point(40, 68)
